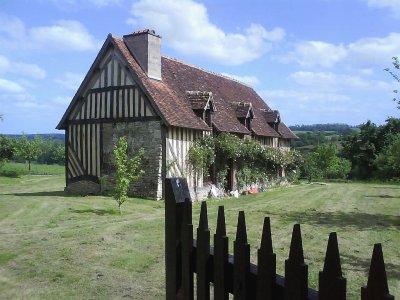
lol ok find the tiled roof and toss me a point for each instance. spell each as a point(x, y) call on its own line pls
point(172, 106)
point(170, 99)
point(285, 132)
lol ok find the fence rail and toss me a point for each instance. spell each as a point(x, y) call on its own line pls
point(235, 274)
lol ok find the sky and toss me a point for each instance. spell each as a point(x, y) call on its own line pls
point(316, 61)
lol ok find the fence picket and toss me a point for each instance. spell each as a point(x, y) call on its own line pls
point(377, 287)
point(187, 252)
point(185, 256)
point(266, 265)
point(202, 254)
point(221, 251)
point(296, 271)
point(332, 285)
point(241, 265)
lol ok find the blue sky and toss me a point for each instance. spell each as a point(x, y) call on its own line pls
point(316, 61)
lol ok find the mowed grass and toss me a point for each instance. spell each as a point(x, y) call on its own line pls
point(12, 169)
point(57, 246)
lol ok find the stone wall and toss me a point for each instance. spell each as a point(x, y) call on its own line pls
point(139, 134)
point(83, 187)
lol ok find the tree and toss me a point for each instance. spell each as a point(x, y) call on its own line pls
point(324, 162)
point(310, 167)
point(396, 64)
point(362, 149)
point(388, 160)
point(53, 152)
point(126, 170)
point(7, 149)
point(29, 149)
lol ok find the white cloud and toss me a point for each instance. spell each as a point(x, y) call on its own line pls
point(393, 5)
point(316, 53)
point(68, 4)
point(69, 81)
point(30, 105)
point(186, 27)
point(365, 52)
point(328, 81)
point(9, 86)
point(29, 70)
point(297, 97)
point(62, 35)
point(250, 80)
point(62, 100)
point(375, 50)
point(4, 64)
point(12, 27)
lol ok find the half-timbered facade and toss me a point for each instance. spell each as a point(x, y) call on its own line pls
point(160, 104)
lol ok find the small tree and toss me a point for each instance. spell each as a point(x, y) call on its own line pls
point(29, 149)
point(396, 64)
point(7, 149)
point(126, 170)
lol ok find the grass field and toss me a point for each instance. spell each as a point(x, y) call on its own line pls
point(57, 246)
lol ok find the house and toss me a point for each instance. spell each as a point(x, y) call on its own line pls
point(160, 104)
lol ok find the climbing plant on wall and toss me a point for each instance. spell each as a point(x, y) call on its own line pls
point(254, 162)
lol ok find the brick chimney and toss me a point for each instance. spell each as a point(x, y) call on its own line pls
point(145, 46)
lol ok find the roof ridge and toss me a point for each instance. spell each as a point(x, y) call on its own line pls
point(207, 71)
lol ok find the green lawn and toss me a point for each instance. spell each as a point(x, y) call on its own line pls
point(56, 246)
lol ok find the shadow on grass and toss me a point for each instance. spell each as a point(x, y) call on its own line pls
point(386, 188)
point(99, 212)
point(44, 194)
point(357, 220)
point(362, 265)
point(383, 196)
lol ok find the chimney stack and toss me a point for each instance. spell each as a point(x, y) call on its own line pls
point(145, 46)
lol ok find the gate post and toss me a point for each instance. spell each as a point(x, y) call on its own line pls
point(176, 192)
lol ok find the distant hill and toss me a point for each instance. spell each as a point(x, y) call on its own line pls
point(54, 136)
point(335, 127)
point(316, 134)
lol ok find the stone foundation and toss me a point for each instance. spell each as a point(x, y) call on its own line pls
point(83, 188)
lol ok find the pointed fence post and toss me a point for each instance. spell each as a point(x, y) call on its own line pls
point(241, 265)
point(220, 258)
point(332, 285)
point(296, 271)
point(377, 286)
point(203, 253)
point(187, 290)
point(266, 265)
point(176, 191)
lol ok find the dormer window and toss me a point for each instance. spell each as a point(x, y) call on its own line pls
point(202, 104)
point(244, 113)
point(273, 118)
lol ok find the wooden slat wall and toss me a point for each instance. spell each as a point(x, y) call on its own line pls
point(178, 142)
point(265, 141)
point(114, 94)
point(83, 150)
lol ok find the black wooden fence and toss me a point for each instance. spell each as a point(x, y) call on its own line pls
point(235, 274)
